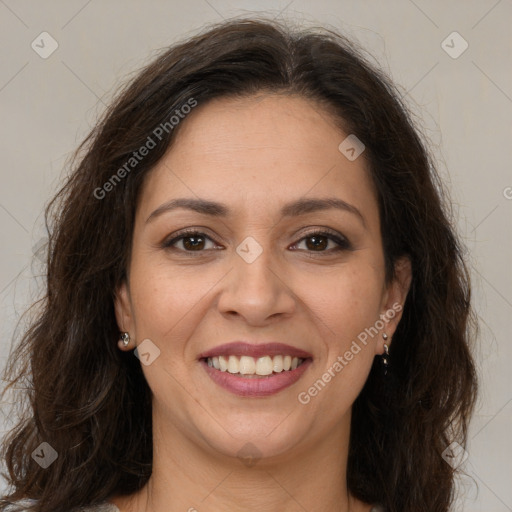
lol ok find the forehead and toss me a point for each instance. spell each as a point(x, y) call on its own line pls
point(259, 151)
point(259, 126)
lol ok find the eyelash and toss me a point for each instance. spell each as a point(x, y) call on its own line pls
point(343, 243)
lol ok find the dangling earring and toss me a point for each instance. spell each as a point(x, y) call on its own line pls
point(385, 356)
point(125, 338)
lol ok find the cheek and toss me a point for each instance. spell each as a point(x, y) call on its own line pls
point(345, 308)
point(169, 302)
point(160, 297)
point(346, 301)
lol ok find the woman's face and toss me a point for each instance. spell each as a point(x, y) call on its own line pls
point(253, 272)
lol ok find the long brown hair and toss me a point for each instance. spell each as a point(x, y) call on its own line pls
point(90, 401)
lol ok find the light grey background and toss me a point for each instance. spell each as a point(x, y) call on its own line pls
point(463, 105)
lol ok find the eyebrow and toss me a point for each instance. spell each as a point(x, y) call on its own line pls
point(292, 209)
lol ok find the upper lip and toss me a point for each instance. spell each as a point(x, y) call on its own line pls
point(242, 348)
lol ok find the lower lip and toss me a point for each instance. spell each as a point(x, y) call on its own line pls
point(256, 386)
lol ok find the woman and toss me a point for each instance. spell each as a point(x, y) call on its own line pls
point(256, 300)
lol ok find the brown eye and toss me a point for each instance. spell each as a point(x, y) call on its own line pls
point(193, 241)
point(319, 242)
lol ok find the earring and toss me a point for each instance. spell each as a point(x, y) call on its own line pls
point(385, 356)
point(125, 338)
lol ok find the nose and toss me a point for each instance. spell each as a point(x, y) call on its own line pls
point(257, 291)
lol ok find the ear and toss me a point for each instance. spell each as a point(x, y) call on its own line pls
point(394, 299)
point(124, 316)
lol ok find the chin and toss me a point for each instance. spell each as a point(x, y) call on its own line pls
point(256, 438)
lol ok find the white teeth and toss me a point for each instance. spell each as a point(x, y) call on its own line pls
point(223, 364)
point(233, 365)
point(277, 364)
point(264, 366)
point(246, 365)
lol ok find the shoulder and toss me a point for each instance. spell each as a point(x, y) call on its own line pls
point(25, 506)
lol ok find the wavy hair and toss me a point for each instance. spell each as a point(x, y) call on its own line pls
point(91, 402)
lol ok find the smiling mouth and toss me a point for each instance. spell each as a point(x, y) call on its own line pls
point(254, 367)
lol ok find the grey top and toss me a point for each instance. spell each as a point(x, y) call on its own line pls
point(102, 507)
point(106, 506)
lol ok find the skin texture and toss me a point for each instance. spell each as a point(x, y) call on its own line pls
point(255, 154)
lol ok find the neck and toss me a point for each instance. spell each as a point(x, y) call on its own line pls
point(187, 478)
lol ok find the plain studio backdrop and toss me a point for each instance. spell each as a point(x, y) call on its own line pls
point(61, 64)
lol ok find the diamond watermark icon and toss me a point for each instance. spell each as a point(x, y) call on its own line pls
point(249, 454)
point(455, 455)
point(44, 45)
point(44, 455)
point(147, 352)
point(249, 249)
point(351, 147)
point(454, 45)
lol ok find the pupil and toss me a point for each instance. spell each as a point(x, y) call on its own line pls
point(196, 242)
point(320, 242)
